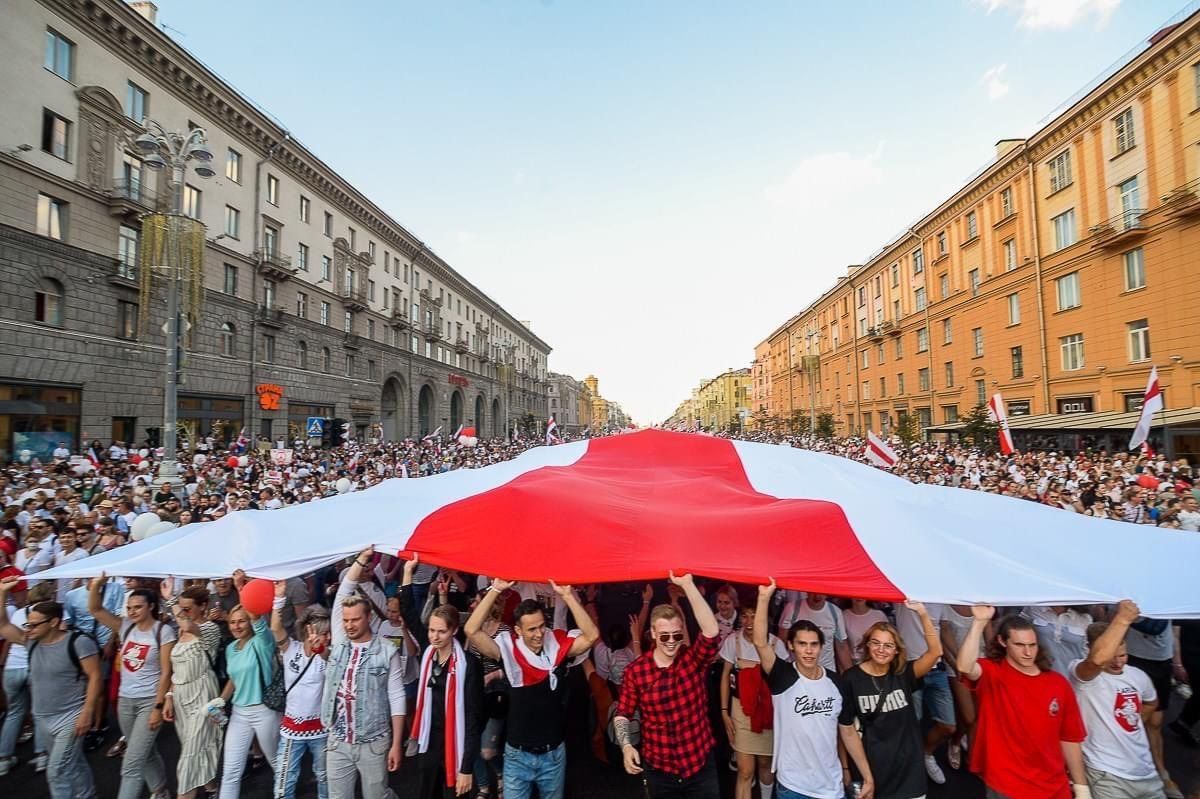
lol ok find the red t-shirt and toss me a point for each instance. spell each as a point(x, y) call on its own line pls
point(1022, 721)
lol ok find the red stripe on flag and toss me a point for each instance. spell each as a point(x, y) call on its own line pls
point(879, 452)
point(632, 508)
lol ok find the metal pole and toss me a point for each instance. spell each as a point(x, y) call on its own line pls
point(168, 469)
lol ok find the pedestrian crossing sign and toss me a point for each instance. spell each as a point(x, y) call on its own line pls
point(316, 426)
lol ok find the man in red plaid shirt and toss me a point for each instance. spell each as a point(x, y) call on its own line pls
point(668, 686)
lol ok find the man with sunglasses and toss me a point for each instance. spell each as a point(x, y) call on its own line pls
point(667, 685)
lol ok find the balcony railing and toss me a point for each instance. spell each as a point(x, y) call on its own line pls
point(272, 264)
point(354, 297)
point(131, 197)
point(123, 272)
point(400, 318)
point(352, 341)
point(272, 317)
point(461, 346)
point(1119, 229)
point(1183, 201)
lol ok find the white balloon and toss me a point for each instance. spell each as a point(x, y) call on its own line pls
point(143, 466)
point(199, 459)
point(83, 468)
point(243, 461)
point(343, 485)
point(143, 452)
point(161, 527)
point(141, 526)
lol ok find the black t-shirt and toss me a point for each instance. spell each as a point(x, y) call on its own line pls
point(891, 735)
point(536, 715)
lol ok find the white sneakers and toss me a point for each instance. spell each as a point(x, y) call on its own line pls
point(934, 770)
point(39, 762)
point(6, 764)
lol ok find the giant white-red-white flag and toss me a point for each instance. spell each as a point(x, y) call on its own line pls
point(1152, 403)
point(1000, 417)
point(878, 451)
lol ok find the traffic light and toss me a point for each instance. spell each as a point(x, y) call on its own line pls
point(338, 432)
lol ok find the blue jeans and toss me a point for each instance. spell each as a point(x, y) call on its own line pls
point(783, 792)
point(287, 765)
point(491, 759)
point(68, 774)
point(936, 699)
point(523, 770)
point(16, 688)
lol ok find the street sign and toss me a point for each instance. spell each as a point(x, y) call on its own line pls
point(315, 427)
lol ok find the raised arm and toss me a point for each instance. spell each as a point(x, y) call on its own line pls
point(346, 588)
point(968, 654)
point(9, 631)
point(96, 605)
point(591, 633)
point(762, 641)
point(277, 629)
point(706, 620)
point(926, 662)
point(1105, 647)
point(483, 643)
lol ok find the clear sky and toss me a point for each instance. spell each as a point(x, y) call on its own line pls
point(657, 185)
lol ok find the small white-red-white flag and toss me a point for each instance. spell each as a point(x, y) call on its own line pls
point(1152, 403)
point(551, 427)
point(878, 451)
point(1000, 417)
point(91, 456)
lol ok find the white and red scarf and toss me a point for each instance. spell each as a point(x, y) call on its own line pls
point(524, 667)
point(456, 720)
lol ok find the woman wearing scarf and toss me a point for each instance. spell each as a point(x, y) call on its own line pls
point(446, 724)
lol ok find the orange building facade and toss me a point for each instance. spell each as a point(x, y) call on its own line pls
point(1057, 277)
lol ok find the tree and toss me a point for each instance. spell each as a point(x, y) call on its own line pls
point(825, 425)
point(908, 427)
point(979, 430)
point(799, 423)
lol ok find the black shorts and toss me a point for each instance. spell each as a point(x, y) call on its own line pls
point(1159, 672)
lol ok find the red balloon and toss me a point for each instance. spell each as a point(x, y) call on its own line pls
point(1147, 481)
point(232, 462)
point(258, 596)
point(135, 459)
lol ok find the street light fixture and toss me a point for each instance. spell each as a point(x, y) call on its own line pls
point(165, 149)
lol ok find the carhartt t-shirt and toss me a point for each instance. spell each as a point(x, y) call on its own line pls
point(806, 732)
point(1022, 721)
point(1112, 711)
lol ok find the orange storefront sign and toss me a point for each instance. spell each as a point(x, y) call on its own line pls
point(269, 395)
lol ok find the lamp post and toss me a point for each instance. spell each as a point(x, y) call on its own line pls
point(174, 151)
point(812, 335)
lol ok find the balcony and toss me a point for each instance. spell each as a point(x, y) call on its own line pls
point(1184, 201)
point(433, 330)
point(129, 198)
point(271, 317)
point(274, 266)
point(875, 333)
point(483, 355)
point(400, 318)
point(461, 346)
point(354, 297)
point(123, 274)
point(1120, 230)
point(888, 326)
point(352, 341)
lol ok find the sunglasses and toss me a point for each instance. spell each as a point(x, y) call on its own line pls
point(670, 638)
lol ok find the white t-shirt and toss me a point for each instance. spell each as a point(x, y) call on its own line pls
point(959, 627)
point(305, 683)
point(857, 626)
point(805, 751)
point(409, 664)
point(1111, 705)
point(1189, 520)
point(18, 655)
point(611, 664)
point(828, 619)
point(736, 647)
point(141, 665)
point(67, 583)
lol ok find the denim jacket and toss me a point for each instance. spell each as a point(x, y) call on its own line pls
point(373, 715)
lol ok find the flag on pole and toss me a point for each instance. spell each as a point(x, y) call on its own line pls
point(551, 426)
point(1152, 403)
point(91, 456)
point(434, 434)
point(242, 441)
point(998, 415)
point(878, 451)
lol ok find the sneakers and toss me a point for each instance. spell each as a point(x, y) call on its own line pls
point(117, 749)
point(26, 735)
point(934, 770)
point(1184, 732)
point(6, 764)
point(39, 762)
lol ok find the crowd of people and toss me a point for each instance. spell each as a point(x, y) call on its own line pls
point(378, 664)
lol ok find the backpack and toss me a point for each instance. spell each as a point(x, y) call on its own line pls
point(72, 652)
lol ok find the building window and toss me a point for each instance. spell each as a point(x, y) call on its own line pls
point(272, 190)
point(883, 387)
point(371, 290)
point(1196, 84)
point(1064, 229)
point(947, 331)
point(60, 54)
point(1067, 288)
point(923, 383)
point(127, 251)
point(981, 392)
point(895, 275)
point(231, 280)
point(1014, 309)
point(228, 340)
point(918, 258)
point(1018, 362)
point(977, 342)
point(1060, 171)
point(371, 250)
point(866, 359)
point(348, 322)
point(51, 217)
point(949, 414)
point(1010, 255)
point(1135, 269)
point(349, 365)
point(896, 310)
point(304, 208)
point(191, 201)
point(943, 286)
point(941, 243)
point(862, 296)
point(1139, 340)
point(949, 374)
point(302, 257)
point(1072, 352)
point(919, 296)
point(1123, 128)
point(973, 281)
point(1130, 202)
point(352, 236)
point(301, 305)
point(326, 360)
point(327, 227)
point(900, 383)
point(137, 102)
point(899, 347)
point(326, 267)
point(370, 369)
point(233, 165)
point(268, 351)
point(56, 135)
point(232, 221)
point(1006, 203)
point(48, 302)
point(416, 344)
point(324, 313)
point(878, 354)
point(127, 319)
point(302, 354)
point(270, 241)
point(922, 339)
point(972, 226)
point(269, 293)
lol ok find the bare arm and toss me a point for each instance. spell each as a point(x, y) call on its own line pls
point(706, 620)
point(1106, 646)
point(591, 633)
point(91, 668)
point(277, 628)
point(841, 655)
point(923, 664)
point(96, 605)
point(483, 643)
point(854, 748)
point(762, 641)
point(1073, 754)
point(9, 631)
point(968, 656)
